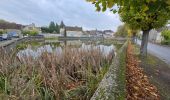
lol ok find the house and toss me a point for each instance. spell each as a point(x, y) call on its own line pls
point(92, 33)
point(74, 31)
point(108, 33)
point(32, 27)
point(155, 34)
point(95, 33)
point(86, 33)
point(99, 33)
point(11, 29)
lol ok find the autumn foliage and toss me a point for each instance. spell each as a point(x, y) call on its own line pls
point(138, 86)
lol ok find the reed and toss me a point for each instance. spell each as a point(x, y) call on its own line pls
point(72, 74)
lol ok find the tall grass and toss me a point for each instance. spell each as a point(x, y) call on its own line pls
point(73, 74)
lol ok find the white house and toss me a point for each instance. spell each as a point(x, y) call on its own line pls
point(155, 34)
point(32, 27)
point(108, 33)
point(74, 31)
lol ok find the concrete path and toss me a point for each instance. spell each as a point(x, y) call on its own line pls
point(159, 51)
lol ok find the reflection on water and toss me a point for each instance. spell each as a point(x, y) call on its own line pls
point(29, 52)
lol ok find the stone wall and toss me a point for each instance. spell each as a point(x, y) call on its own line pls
point(107, 87)
point(9, 47)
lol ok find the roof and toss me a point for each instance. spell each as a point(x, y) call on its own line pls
point(70, 28)
point(108, 31)
point(6, 25)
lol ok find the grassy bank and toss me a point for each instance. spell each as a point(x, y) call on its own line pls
point(120, 93)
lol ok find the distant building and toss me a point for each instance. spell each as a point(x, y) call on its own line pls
point(89, 33)
point(108, 33)
point(32, 27)
point(99, 33)
point(74, 31)
point(155, 34)
point(93, 33)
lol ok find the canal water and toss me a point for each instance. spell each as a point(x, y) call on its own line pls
point(35, 49)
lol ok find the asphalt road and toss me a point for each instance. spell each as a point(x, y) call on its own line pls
point(162, 52)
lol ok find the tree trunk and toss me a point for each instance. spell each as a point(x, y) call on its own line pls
point(134, 38)
point(144, 44)
point(65, 33)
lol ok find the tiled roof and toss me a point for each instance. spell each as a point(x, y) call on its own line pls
point(10, 26)
point(70, 28)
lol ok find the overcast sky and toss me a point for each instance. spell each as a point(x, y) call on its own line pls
point(72, 12)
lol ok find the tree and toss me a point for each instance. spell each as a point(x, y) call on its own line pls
point(52, 27)
point(142, 14)
point(45, 30)
point(30, 33)
point(62, 24)
point(166, 37)
point(2, 32)
point(57, 28)
point(132, 32)
point(122, 31)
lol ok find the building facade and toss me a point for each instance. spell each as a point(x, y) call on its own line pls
point(69, 31)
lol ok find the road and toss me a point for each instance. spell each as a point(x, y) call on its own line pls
point(161, 52)
point(3, 43)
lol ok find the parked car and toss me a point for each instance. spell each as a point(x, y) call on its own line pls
point(13, 34)
point(6, 36)
point(1, 39)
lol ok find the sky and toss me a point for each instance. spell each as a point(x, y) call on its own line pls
point(72, 12)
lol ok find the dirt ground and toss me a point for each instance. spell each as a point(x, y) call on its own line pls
point(158, 73)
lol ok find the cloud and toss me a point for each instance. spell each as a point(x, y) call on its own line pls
point(72, 12)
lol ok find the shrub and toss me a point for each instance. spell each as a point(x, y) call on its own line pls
point(30, 33)
point(2, 32)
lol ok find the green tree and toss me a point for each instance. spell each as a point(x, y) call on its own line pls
point(30, 33)
point(132, 32)
point(52, 27)
point(166, 37)
point(57, 28)
point(62, 24)
point(122, 31)
point(45, 30)
point(1, 32)
point(142, 14)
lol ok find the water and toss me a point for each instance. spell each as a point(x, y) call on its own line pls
point(57, 47)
